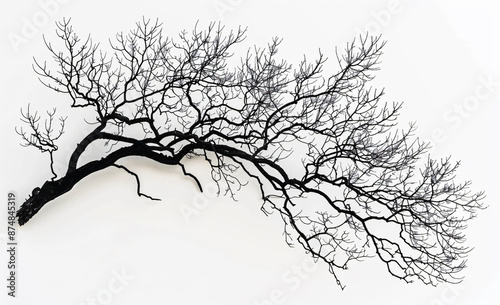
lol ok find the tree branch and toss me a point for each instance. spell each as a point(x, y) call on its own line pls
point(325, 150)
point(137, 180)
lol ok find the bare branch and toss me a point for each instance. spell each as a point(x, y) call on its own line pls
point(137, 180)
point(325, 149)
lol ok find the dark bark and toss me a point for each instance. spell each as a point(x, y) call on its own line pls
point(351, 171)
point(51, 190)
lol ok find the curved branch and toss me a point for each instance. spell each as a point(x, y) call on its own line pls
point(325, 150)
point(137, 180)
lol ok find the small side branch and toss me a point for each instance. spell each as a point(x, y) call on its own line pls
point(192, 176)
point(137, 180)
point(43, 137)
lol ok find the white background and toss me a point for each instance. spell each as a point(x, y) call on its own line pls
point(439, 58)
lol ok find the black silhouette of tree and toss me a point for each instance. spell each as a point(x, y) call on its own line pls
point(324, 150)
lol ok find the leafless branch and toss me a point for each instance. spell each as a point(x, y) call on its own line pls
point(325, 150)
